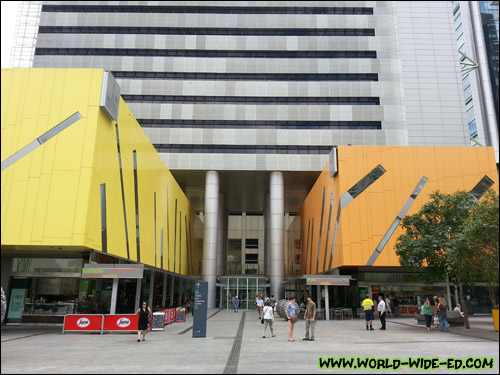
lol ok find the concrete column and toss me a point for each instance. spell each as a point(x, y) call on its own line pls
point(327, 304)
point(318, 293)
point(172, 289)
point(151, 288)
point(243, 241)
point(220, 236)
point(277, 212)
point(286, 250)
point(267, 237)
point(456, 296)
point(483, 72)
point(138, 294)
point(114, 294)
point(164, 290)
point(226, 236)
point(210, 238)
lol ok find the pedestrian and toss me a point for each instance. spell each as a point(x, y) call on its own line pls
point(236, 304)
point(273, 302)
point(388, 306)
point(459, 310)
point(260, 306)
point(368, 307)
point(381, 311)
point(266, 299)
point(436, 316)
point(268, 313)
point(442, 311)
point(145, 315)
point(395, 303)
point(428, 313)
point(292, 318)
point(310, 318)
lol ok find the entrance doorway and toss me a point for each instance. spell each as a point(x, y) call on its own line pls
point(245, 287)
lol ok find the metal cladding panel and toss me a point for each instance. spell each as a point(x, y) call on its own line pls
point(365, 219)
point(52, 196)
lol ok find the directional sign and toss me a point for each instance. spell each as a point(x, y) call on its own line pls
point(200, 309)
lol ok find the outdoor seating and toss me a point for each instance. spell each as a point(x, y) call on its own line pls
point(320, 314)
point(338, 314)
point(348, 314)
point(453, 317)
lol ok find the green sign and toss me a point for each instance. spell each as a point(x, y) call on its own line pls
point(16, 305)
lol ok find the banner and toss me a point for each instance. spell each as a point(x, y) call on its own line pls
point(123, 322)
point(83, 323)
point(172, 315)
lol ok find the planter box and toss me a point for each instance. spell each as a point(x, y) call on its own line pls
point(495, 318)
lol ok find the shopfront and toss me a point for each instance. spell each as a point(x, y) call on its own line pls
point(408, 288)
point(43, 290)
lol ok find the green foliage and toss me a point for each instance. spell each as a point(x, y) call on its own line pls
point(478, 243)
point(456, 237)
point(428, 241)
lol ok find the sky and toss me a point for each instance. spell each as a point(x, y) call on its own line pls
point(8, 25)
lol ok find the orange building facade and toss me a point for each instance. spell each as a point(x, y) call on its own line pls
point(349, 222)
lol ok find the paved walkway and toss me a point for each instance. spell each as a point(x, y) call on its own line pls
point(234, 344)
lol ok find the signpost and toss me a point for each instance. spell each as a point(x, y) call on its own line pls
point(200, 309)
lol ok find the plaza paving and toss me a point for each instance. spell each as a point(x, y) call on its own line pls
point(45, 350)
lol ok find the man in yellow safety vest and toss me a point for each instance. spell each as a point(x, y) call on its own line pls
point(368, 307)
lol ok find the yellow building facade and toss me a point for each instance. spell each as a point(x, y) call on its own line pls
point(75, 182)
point(51, 198)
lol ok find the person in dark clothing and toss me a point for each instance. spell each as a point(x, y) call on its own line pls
point(442, 311)
point(145, 314)
point(395, 303)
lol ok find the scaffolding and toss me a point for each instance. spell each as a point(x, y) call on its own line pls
point(23, 47)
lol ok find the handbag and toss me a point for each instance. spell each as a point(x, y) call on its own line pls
point(294, 319)
point(262, 321)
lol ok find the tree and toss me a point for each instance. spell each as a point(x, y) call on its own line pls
point(479, 238)
point(429, 241)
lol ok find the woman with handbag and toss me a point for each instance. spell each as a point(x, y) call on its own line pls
point(292, 318)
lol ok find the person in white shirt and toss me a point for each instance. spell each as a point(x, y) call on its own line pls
point(381, 311)
point(260, 306)
point(457, 309)
point(268, 319)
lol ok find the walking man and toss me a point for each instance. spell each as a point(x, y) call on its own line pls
point(381, 311)
point(310, 317)
point(368, 307)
